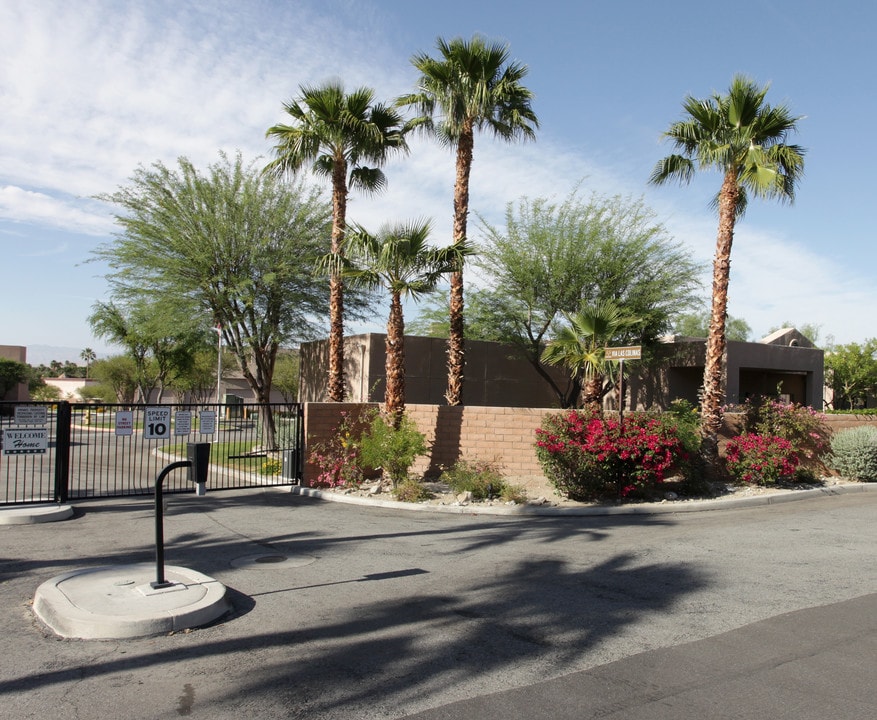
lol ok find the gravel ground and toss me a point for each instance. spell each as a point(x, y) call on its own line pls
point(542, 494)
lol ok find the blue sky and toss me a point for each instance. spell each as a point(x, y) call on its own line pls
point(90, 90)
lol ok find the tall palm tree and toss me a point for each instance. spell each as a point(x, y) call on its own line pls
point(88, 356)
point(398, 259)
point(580, 347)
point(338, 135)
point(742, 137)
point(471, 86)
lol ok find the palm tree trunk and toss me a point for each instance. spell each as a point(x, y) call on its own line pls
point(336, 284)
point(394, 396)
point(714, 365)
point(456, 341)
point(336, 339)
point(592, 395)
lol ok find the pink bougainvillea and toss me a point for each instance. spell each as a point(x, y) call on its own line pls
point(761, 459)
point(587, 456)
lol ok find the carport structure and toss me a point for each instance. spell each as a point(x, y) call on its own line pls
point(784, 364)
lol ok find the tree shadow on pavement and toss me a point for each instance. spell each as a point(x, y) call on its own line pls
point(407, 652)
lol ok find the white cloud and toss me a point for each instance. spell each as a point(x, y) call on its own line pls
point(91, 91)
point(26, 206)
point(774, 280)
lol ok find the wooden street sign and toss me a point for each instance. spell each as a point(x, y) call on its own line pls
point(633, 352)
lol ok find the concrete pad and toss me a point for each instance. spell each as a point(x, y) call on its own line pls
point(117, 601)
point(31, 514)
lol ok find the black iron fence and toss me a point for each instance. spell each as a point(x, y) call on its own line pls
point(62, 451)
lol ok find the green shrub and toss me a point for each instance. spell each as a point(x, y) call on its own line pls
point(271, 466)
point(337, 457)
point(854, 453)
point(481, 478)
point(392, 450)
point(411, 490)
point(46, 393)
point(682, 419)
point(685, 421)
point(513, 493)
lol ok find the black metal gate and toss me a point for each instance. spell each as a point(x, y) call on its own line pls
point(63, 451)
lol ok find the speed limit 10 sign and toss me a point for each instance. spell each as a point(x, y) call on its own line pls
point(157, 423)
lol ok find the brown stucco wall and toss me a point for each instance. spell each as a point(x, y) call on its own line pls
point(19, 354)
point(842, 422)
point(500, 375)
point(495, 374)
point(753, 369)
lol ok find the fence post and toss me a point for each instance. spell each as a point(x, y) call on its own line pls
point(63, 419)
point(300, 443)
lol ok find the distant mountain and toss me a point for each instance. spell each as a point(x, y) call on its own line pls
point(44, 354)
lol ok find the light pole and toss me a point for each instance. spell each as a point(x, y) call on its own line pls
point(218, 330)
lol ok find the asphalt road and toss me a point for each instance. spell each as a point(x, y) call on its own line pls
point(361, 613)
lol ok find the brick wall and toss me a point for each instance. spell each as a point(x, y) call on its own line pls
point(503, 435)
point(841, 422)
point(499, 434)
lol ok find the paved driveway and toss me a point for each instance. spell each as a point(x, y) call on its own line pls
point(346, 612)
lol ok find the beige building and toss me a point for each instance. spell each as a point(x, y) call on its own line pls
point(69, 387)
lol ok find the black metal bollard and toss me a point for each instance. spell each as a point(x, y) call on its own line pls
point(198, 464)
point(160, 581)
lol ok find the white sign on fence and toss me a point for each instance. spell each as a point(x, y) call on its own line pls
point(20, 441)
point(31, 415)
point(207, 422)
point(182, 422)
point(124, 422)
point(157, 423)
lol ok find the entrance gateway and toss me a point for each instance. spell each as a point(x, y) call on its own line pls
point(55, 452)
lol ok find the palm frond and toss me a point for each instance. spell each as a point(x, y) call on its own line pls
point(672, 167)
point(737, 132)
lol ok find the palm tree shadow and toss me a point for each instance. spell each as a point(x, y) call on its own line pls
point(414, 648)
point(535, 611)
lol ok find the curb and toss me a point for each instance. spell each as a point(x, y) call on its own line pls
point(662, 508)
point(32, 514)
